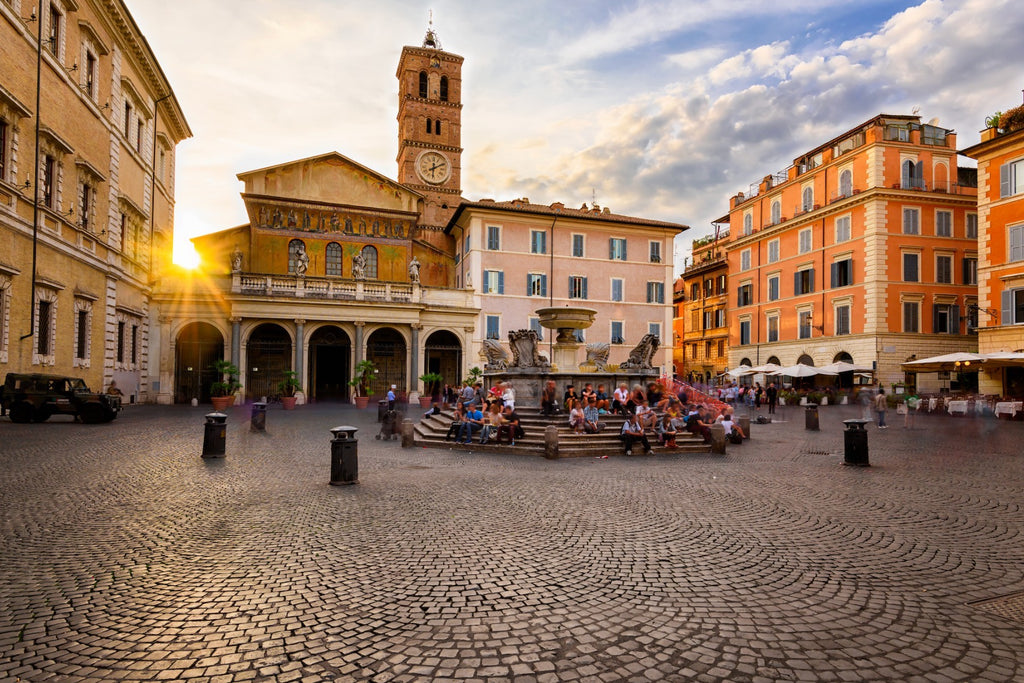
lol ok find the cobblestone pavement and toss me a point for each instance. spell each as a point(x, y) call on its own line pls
point(127, 557)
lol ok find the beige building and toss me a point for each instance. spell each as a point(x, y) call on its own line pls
point(86, 191)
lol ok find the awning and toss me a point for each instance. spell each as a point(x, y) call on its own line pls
point(960, 361)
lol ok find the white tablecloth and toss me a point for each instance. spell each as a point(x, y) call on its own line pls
point(1009, 408)
point(932, 404)
point(957, 407)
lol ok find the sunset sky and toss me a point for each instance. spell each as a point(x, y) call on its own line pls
point(656, 109)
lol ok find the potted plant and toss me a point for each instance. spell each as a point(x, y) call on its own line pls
point(475, 375)
point(431, 388)
point(361, 382)
point(222, 392)
point(288, 386)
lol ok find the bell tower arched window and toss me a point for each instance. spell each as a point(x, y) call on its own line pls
point(444, 88)
point(437, 127)
point(429, 126)
point(423, 84)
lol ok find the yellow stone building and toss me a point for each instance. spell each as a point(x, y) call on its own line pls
point(88, 130)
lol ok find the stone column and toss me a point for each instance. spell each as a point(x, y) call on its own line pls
point(414, 362)
point(359, 342)
point(300, 340)
point(236, 341)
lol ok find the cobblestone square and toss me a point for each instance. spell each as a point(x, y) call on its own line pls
point(127, 557)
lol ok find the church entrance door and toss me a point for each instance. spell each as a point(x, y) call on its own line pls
point(329, 352)
point(198, 347)
point(269, 355)
point(386, 348)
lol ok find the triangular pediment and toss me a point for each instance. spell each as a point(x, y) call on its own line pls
point(331, 178)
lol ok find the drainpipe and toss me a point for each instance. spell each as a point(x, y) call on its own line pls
point(35, 183)
point(152, 181)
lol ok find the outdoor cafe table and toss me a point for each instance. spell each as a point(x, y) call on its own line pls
point(1008, 408)
point(955, 407)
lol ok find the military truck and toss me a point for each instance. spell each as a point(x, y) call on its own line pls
point(35, 397)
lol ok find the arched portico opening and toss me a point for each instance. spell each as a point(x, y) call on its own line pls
point(442, 354)
point(330, 352)
point(804, 359)
point(197, 348)
point(268, 356)
point(386, 348)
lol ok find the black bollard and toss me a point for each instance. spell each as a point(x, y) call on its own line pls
point(215, 433)
point(855, 439)
point(258, 421)
point(811, 417)
point(344, 456)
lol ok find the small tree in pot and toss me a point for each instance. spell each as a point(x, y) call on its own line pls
point(431, 388)
point(361, 381)
point(222, 392)
point(288, 386)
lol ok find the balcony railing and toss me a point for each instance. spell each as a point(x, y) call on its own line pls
point(335, 289)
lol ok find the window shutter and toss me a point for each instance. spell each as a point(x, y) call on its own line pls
point(570, 287)
point(935, 318)
point(954, 320)
point(501, 282)
point(584, 288)
point(919, 175)
point(1007, 317)
point(849, 271)
point(1016, 243)
point(835, 274)
point(811, 281)
point(1004, 180)
point(543, 285)
point(964, 272)
point(611, 249)
point(625, 256)
point(796, 283)
point(907, 172)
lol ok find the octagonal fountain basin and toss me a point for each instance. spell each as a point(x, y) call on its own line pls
point(565, 319)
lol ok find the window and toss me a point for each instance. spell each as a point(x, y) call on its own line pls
point(708, 347)
point(655, 292)
point(945, 319)
point(773, 288)
point(803, 281)
point(846, 183)
point(842, 273)
point(911, 221)
point(295, 248)
point(843, 229)
point(538, 242)
point(806, 240)
point(970, 270)
point(912, 177)
point(465, 246)
point(721, 348)
point(332, 259)
point(90, 74)
point(808, 199)
point(655, 329)
point(493, 327)
point(537, 327)
point(617, 249)
point(437, 127)
point(135, 345)
point(720, 284)
point(709, 287)
point(773, 251)
point(910, 267)
point(897, 133)
point(578, 336)
point(494, 282)
point(49, 181)
point(127, 118)
point(1017, 243)
point(944, 269)
point(493, 237)
point(1011, 178)
point(804, 325)
point(577, 287)
point(944, 223)
point(139, 127)
point(81, 334)
point(369, 262)
point(933, 135)
point(842, 315)
point(776, 212)
point(617, 289)
point(3, 149)
point(430, 126)
point(773, 328)
point(536, 284)
point(748, 224)
point(693, 351)
point(1013, 307)
point(720, 317)
point(655, 252)
point(695, 291)
point(120, 341)
point(911, 316)
point(85, 205)
point(709, 320)
point(577, 246)
point(744, 332)
point(444, 88)
point(55, 30)
point(44, 328)
point(423, 84)
point(745, 259)
point(695, 320)
point(617, 335)
point(745, 295)
point(972, 226)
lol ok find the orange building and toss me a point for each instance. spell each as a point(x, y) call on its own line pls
point(864, 250)
point(705, 339)
point(678, 326)
point(1000, 156)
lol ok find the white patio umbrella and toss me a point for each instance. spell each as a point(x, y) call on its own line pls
point(843, 366)
point(961, 361)
point(741, 371)
point(768, 368)
point(1003, 358)
point(801, 370)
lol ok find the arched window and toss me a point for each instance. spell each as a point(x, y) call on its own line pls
point(776, 212)
point(332, 259)
point(423, 84)
point(808, 198)
point(370, 261)
point(444, 88)
point(437, 127)
point(748, 224)
point(429, 126)
point(846, 183)
point(913, 175)
point(842, 357)
point(774, 359)
point(295, 247)
point(805, 360)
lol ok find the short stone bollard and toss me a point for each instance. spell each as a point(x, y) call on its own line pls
point(344, 456)
point(551, 442)
point(408, 429)
point(855, 440)
point(744, 423)
point(718, 438)
point(215, 432)
point(811, 417)
point(258, 421)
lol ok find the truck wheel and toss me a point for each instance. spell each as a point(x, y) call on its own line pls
point(22, 412)
point(92, 413)
point(41, 415)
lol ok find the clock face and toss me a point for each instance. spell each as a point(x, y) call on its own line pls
point(433, 167)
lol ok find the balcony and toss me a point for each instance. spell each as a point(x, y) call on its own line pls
point(338, 289)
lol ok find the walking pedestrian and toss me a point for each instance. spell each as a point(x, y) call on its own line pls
point(881, 405)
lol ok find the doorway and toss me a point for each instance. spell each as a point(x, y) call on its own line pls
point(329, 352)
point(198, 347)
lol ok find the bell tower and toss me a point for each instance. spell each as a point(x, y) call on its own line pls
point(430, 129)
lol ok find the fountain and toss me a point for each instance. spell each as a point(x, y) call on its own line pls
point(528, 370)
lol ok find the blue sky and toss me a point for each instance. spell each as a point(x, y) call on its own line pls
point(656, 109)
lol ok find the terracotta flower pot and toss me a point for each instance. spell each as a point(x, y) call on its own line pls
point(362, 401)
point(288, 402)
point(426, 401)
point(220, 403)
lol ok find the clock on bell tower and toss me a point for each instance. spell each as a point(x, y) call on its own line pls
point(430, 127)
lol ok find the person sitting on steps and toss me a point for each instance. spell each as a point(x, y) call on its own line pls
point(633, 433)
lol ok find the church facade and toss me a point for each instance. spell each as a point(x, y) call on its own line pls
point(339, 264)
